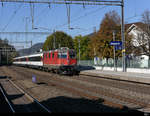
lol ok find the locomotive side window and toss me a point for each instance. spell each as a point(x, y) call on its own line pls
point(44, 55)
point(59, 55)
point(53, 55)
point(49, 55)
point(72, 54)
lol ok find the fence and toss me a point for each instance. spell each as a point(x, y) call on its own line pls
point(134, 63)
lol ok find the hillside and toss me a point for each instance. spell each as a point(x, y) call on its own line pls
point(35, 48)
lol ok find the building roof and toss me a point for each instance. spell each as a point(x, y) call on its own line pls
point(138, 24)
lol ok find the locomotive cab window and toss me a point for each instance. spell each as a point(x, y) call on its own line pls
point(62, 55)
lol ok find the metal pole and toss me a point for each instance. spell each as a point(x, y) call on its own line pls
point(114, 52)
point(0, 57)
point(79, 51)
point(54, 40)
point(123, 38)
point(7, 57)
point(26, 29)
point(31, 43)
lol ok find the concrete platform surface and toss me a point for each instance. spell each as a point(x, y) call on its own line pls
point(129, 76)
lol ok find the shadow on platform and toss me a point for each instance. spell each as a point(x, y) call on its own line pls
point(81, 67)
point(63, 104)
point(3, 77)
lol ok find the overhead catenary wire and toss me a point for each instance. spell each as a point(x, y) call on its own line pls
point(79, 2)
point(80, 17)
point(11, 18)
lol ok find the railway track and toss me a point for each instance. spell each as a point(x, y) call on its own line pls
point(18, 100)
point(96, 93)
point(5, 104)
point(98, 90)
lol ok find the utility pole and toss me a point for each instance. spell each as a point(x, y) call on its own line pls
point(94, 28)
point(79, 50)
point(0, 57)
point(26, 29)
point(123, 38)
point(31, 43)
point(54, 46)
point(114, 51)
point(7, 56)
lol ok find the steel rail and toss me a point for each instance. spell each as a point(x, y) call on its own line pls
point(7, 100)
point(29, 96)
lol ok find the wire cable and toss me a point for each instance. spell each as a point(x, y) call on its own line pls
point(11, 18)
point(83, 16)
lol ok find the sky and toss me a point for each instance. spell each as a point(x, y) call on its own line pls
point(16, 17)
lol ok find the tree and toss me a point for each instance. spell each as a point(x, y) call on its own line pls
point(84, 50)
point(58, 39)
point(100, 42)
point(6, 55)
point(142, 46)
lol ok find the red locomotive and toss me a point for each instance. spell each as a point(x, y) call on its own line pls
point(62, 61)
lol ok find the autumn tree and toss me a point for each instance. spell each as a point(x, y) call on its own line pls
point(58, 39)
point(100, 42)
point(84, 50)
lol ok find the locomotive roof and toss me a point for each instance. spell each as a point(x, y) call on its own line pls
point(62, 49)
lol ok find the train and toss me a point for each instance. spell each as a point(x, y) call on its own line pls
point(61, 61)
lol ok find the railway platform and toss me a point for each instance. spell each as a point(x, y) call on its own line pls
point(128, 76)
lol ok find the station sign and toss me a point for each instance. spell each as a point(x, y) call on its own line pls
point(115, 43)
